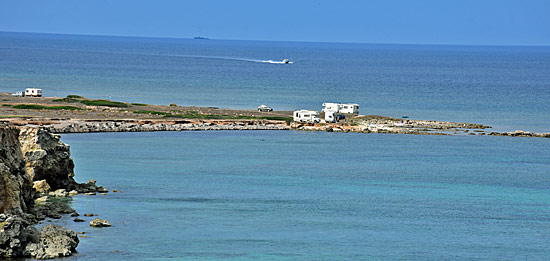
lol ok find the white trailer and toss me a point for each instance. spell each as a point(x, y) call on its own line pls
point(341, 107)
point(33, 92)
point(306, 116)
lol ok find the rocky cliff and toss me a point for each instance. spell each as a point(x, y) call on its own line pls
point(24, 151)
point(15, 183)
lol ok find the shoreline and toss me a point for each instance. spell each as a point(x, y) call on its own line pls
point(76, 114)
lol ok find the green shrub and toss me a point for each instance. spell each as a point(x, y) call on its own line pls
point(7, 105)
point(72, 108)
point(67, 99)
point(42, 107)
point(106, 103)
point(29, 106)
point(153, 112)
point(72, 96)
point(139, 104)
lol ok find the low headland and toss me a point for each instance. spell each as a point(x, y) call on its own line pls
point(37, 174)
point(77, 114)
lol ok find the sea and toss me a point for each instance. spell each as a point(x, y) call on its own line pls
point(291, 195)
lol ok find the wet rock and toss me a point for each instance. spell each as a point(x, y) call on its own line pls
point(73, 193)
point(98, 222)
point(78, 220)
point(101, 189)
point(54, 209)
point(116, 191)
point(89, 215)
point(75, 214)
point(90, 194)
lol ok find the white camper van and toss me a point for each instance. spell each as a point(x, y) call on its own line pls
point(341, 107)
point(33, 92)
point(306, 116)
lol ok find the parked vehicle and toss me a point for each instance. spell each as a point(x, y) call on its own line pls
point(306, 116)
point(333, 117)
point(264, 108)
point(33, 92)
point(341, 107)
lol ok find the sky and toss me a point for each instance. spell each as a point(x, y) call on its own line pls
point(472, 22)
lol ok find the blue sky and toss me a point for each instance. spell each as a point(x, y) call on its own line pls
point(487, 22)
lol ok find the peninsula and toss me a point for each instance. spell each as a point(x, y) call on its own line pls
point(77, 114)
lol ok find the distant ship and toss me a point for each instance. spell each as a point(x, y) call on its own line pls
point(200, 38)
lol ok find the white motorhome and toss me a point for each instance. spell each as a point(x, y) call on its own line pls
point(306, 116)
point(33, 92)
point(341, 107)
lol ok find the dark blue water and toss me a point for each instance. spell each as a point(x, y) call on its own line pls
point(507, 87)
point(314, 196)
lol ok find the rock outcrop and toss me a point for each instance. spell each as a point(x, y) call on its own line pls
point(54, 241)
point(18, 238)
point(47, 158)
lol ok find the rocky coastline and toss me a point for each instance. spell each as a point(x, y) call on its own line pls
point(36, 172)
point(85, 126)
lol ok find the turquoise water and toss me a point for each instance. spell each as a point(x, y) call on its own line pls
point(313, 195)
point(505, 87)
point(304, 195)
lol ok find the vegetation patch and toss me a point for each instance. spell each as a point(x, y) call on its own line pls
point(29, 106)
point(106, 103)
point(72, 108)
point(139, 104)
point(42, 107)
point(69, 98)
point(7, 105)
point(153, 112)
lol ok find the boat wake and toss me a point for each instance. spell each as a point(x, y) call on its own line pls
point(285, 61)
